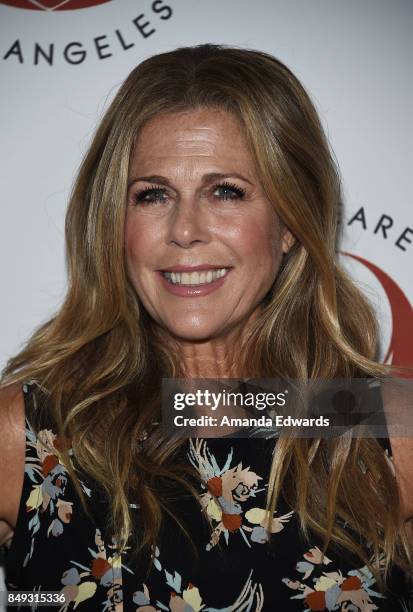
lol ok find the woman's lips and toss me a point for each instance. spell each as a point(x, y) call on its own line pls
point(182, 268)
point(192, 290)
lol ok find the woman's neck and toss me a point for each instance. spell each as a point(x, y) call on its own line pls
point(209, 358)
point(215, 357)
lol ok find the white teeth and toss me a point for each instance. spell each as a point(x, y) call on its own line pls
point(195, 278)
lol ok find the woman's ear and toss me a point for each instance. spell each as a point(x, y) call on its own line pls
point(287, 240)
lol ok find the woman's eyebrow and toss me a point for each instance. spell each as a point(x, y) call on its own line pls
point(206, 178)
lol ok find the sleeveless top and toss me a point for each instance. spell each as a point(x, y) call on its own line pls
point(241, 565)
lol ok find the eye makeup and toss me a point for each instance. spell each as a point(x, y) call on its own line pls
point(154, 194)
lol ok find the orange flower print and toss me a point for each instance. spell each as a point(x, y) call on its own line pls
point(232, 522)
point(316, 600)
point(49, 462)
point(189, 599)
point(227, 494)
point(214, 485)
point(331, 590)
point(45, 467)
point(105, 570)
point(99, 567)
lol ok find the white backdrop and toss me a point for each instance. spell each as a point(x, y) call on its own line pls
point(61, 67)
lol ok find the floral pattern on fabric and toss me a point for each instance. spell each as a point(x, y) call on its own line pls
point(45, 466)
point(188, 599)
point(59, 548)
point(105, 569)
point(333, 590)
point(227, 489)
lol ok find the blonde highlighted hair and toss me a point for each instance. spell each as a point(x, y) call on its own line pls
point(100, 356)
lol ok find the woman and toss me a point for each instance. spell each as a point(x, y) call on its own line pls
point(201, 237)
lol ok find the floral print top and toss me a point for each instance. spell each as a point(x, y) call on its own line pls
point(242, 564)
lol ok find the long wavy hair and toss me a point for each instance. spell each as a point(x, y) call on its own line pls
point(101, 359)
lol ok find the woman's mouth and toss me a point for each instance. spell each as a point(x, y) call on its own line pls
point(195, 278)
point(192, 284)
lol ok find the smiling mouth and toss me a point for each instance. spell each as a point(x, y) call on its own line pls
point(199, 277)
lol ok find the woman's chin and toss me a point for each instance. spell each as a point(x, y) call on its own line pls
point(194, 333)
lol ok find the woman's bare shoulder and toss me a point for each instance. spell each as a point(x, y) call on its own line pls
point(397, 395)
point(12, 455)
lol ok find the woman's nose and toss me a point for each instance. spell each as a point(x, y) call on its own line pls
point(188, 223)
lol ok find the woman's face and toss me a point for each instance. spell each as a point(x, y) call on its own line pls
point(203, 244)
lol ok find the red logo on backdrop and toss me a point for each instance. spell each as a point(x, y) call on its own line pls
point(400, 349)
point(53, 5)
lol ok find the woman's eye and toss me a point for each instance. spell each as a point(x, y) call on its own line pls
point(228, 191)
point(150, 195)
point(153, 195)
